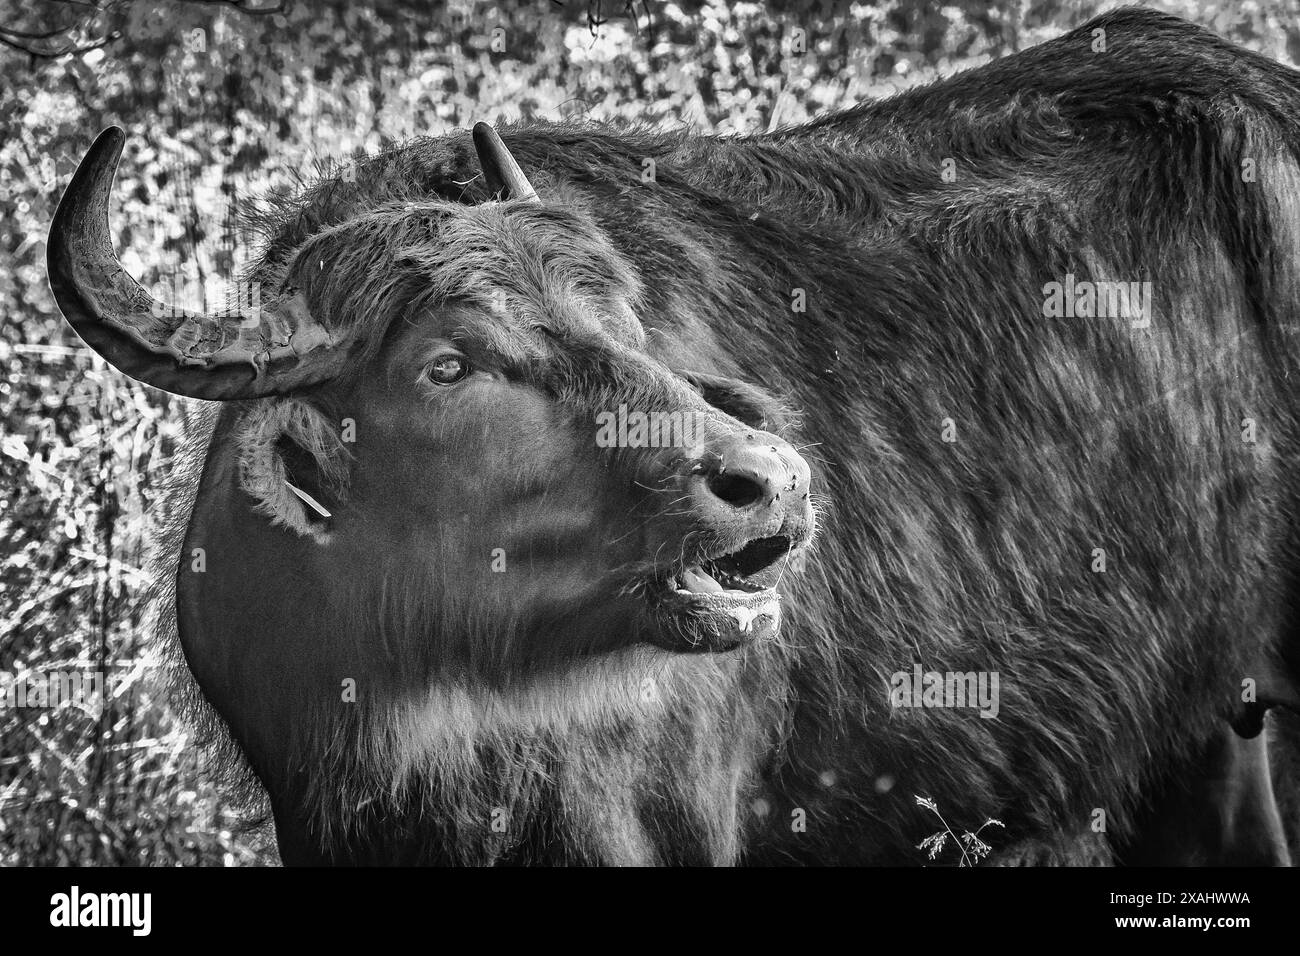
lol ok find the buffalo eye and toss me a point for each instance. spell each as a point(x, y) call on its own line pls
point(447, 369)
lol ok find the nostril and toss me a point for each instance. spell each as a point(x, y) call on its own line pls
point(735, 489)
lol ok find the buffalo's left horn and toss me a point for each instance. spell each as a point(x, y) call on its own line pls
point(503, 175)
point(247, 353)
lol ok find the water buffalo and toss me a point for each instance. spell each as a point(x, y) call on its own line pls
point(593, 495)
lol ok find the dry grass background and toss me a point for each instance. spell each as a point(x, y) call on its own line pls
point(255, 106)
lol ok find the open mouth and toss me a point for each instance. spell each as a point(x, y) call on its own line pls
point(728, 599)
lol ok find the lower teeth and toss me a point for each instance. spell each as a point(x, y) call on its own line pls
point(697, 581)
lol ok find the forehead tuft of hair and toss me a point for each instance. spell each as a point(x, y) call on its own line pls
point(534, 267)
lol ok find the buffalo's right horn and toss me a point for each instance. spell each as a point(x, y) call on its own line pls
point(247, 353)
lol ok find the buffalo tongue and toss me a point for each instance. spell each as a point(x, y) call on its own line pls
point(697, 581)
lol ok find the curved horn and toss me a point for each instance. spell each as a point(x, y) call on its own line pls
point(504, 177)
point(249, 353)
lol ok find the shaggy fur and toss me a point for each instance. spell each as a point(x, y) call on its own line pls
point(924, 305)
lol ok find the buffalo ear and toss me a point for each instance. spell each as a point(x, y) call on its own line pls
point(742, 401)
point(504, 178)
point(293, 464)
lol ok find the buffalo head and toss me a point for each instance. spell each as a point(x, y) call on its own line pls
point(457, 407)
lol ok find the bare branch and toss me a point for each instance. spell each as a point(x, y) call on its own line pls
point(242, 7)
point(56, 54)
point(24, 35)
